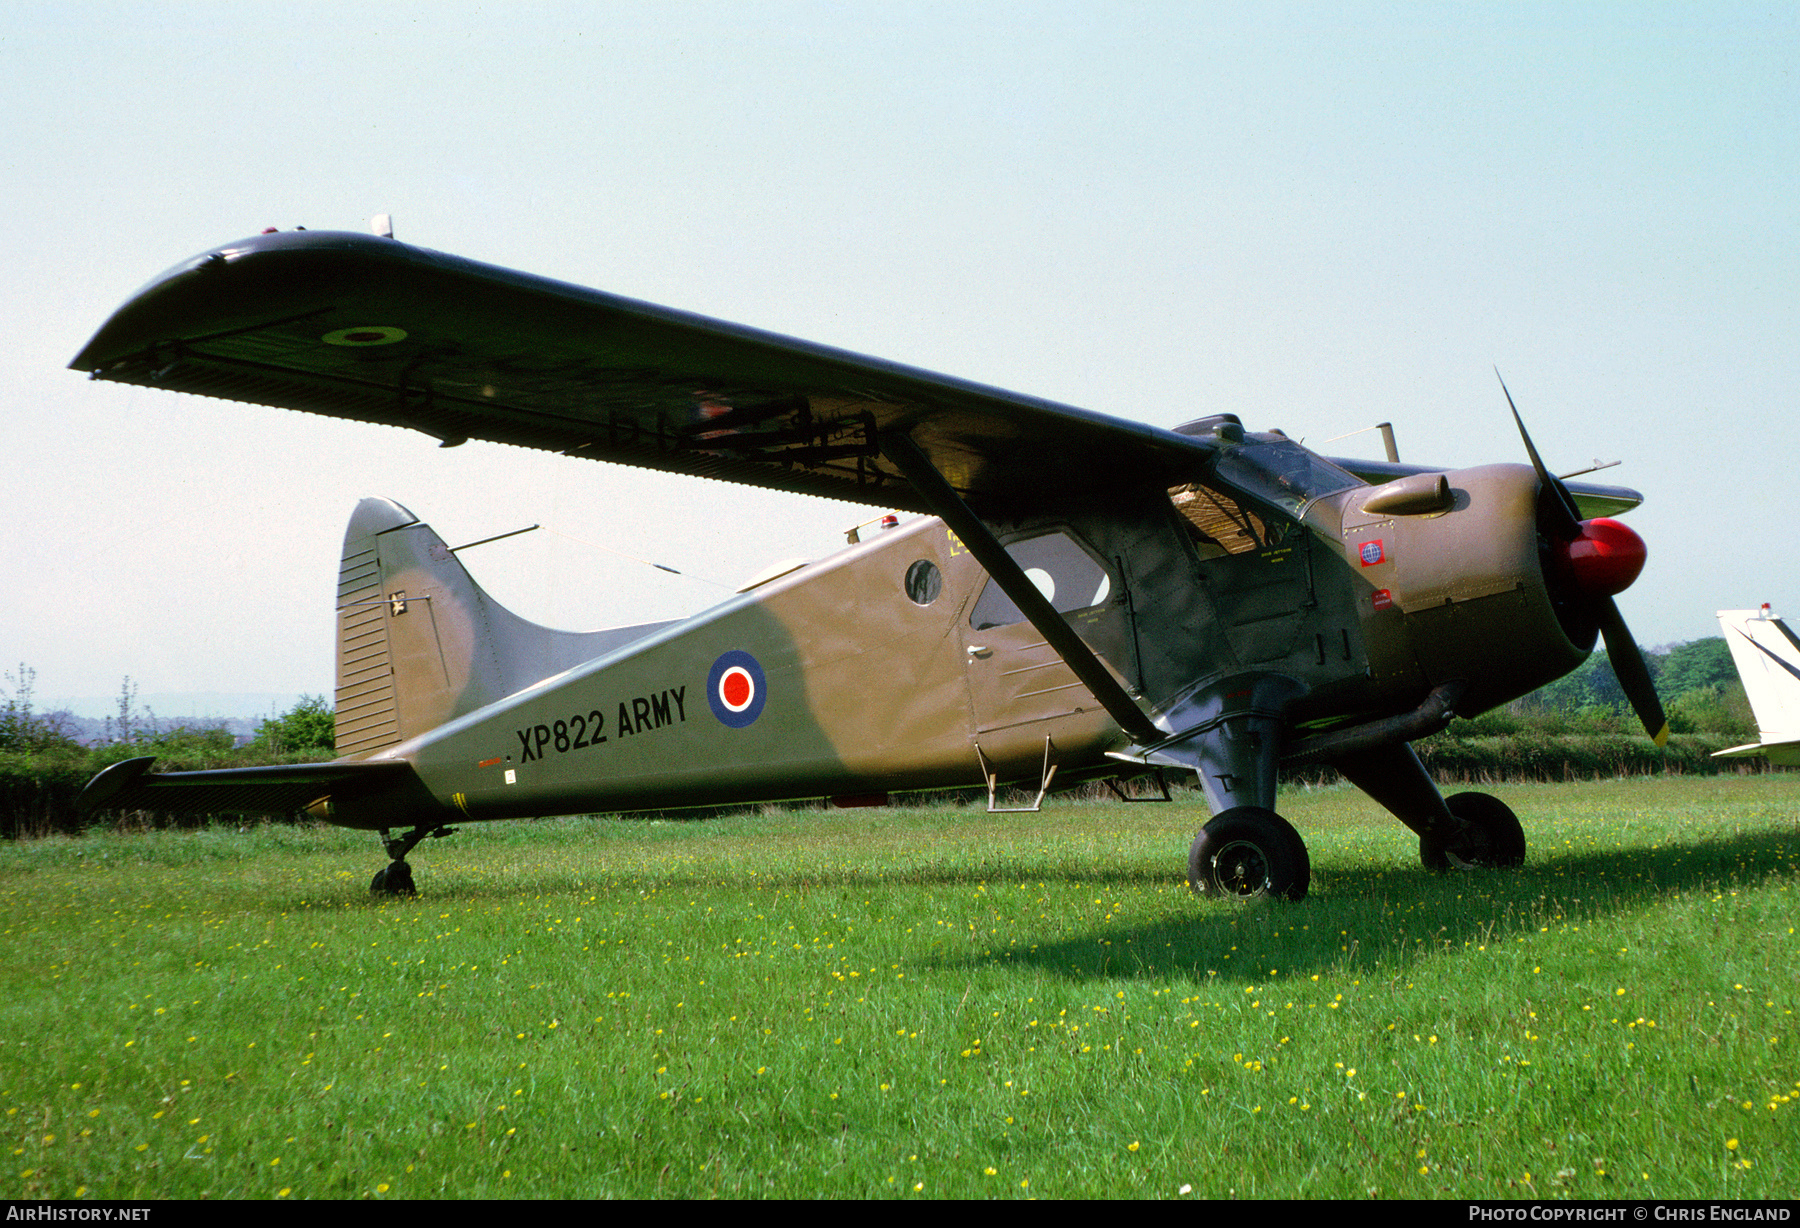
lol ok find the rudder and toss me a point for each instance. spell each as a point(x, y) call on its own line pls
point(1767, 657)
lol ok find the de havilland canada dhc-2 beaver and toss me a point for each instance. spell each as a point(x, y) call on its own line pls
point(1084, 597)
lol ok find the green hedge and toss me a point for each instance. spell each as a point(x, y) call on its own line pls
point(1531, 756)
point(37, 799)
point(1528, 756)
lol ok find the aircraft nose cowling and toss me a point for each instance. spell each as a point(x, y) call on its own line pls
point(1606, 558)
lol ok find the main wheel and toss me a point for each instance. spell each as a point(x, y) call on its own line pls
point(1490, 835)
point(1247, 852)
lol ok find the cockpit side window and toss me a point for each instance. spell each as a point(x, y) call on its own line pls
point(1218, 523)
point(1067, 575)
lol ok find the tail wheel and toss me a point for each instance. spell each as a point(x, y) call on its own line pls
point(1489, 835)
point(395, 878)
point(1248, 852)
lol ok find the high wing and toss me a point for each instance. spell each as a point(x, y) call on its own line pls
point(375, 330)
point(367, 328)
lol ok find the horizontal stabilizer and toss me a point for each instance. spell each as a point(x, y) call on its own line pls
point(277, 790)
point(1779, 754)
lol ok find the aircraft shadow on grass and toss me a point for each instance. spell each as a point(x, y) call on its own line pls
point(1368, 918)
point(1364, 918)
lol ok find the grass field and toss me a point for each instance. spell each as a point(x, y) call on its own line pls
point(915, 1003)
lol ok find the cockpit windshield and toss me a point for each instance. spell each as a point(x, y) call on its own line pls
point(1282, 472)
point(1256, 494)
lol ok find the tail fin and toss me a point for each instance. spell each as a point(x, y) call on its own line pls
point(420, 643)
point(1767, 657)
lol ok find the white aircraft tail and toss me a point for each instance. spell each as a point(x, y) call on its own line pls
point(1767, 657)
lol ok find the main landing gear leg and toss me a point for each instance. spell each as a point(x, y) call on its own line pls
point(396, 878)
point(1246, 850)
point(1467, 829)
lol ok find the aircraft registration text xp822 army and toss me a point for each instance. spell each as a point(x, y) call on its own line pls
point(1084, 597)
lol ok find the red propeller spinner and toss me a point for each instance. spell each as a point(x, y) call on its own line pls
point(1606, 558)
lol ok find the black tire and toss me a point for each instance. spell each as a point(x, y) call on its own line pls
point(395, 878)
point(1491, 835)
point(1247, 852)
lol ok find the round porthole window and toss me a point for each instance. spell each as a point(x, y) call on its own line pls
point(924, 582)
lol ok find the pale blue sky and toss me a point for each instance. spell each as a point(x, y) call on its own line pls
point(1315, 217)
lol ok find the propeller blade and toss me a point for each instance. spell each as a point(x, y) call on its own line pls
point(1557, 515)
point(1634, 676)
point(1567, 526)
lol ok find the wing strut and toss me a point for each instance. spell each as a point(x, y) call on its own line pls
point(943, 500)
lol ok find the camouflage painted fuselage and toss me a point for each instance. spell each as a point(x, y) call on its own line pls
point(896, 664)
